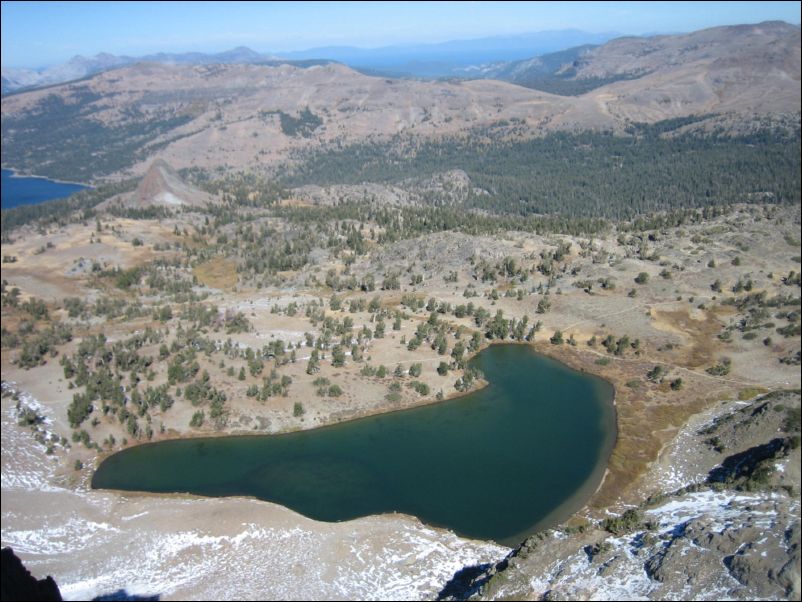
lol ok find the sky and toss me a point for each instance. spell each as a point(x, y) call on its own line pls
point(39, 34)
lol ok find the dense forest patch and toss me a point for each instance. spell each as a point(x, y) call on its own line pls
point(582, 174)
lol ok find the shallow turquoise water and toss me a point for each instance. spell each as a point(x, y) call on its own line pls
point(497, 464)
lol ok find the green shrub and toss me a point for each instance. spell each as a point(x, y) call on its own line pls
point(627, 522)
point(197, 419)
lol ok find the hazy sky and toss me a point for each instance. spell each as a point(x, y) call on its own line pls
point(36, 34)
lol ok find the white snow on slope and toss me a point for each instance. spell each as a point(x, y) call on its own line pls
point(99, 542)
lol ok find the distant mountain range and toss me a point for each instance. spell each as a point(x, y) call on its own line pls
point(253, 116)
point(753, 51)
point(420, 60)
point(80, 67)
point(452, 58)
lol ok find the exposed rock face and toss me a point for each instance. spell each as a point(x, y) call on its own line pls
point(705, 545)
point(19, 584)
point(161, 186)
point(757, 542)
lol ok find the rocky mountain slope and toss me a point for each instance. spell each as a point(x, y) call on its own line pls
point(731, 532)
point(253, 116)
point(249, 116)
point(772, 44)
point(548, 72)
point(726, 61)
point(161, 186)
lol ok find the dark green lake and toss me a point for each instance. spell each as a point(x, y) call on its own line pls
point(520, 455)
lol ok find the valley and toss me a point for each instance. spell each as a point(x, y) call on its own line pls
point(269, 249)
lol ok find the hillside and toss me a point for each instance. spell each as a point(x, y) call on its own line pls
point(161, 187)
point(78, 67)
point(255, 116)
point(241, 115)
point(729, 68)
point(270, 248)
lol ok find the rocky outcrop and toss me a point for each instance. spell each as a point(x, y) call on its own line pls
point(735, 536)
point(702, 545)
point(161, 186)
point(19, 584)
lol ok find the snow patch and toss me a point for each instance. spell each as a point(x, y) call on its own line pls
point(168, 198)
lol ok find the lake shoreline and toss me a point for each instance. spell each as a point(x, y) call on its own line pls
point(15, 173)
point(576, 503)
point(20, 190)
point(174, 545)
point(523, 409)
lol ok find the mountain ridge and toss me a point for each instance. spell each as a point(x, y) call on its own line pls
point(256, 116)
point(632, 57)
point(509, 47)
point(400, 59)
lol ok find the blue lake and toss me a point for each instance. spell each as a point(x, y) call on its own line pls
point(515, 457)
point(18, 191)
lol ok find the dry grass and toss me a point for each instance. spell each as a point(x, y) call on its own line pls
point(648, 418)
point(751, 393)
point(220, 273)
point(698, 330)
point(675, 333)
point(295, 202)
